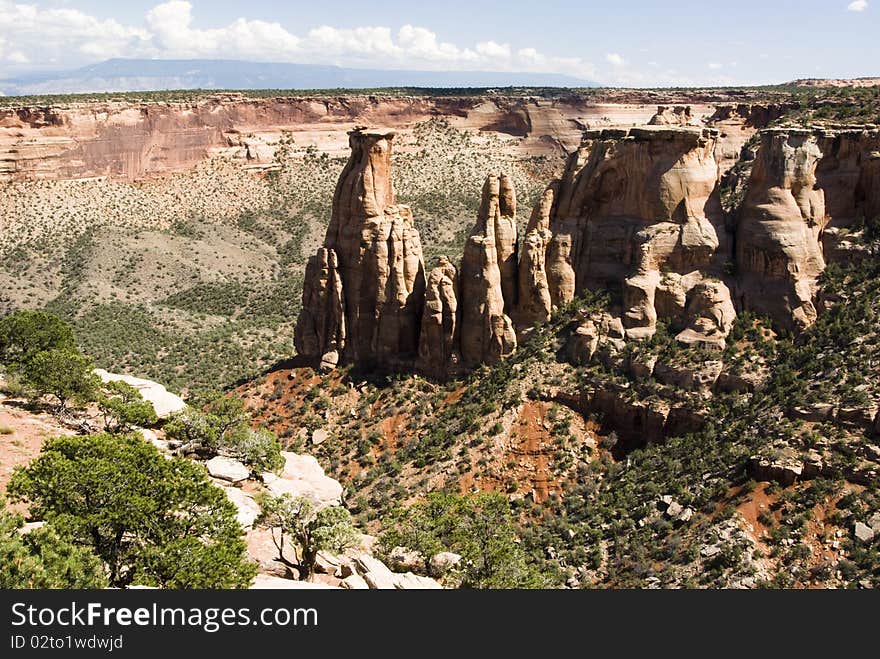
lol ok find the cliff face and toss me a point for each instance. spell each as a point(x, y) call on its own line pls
point(122, 140)
point(136, 140)
point(737, 124)
point(636, 212)
point(805, 188)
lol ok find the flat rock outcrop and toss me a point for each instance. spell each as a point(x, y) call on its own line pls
point(303, 476)
point(163, 401)
point(805, 184)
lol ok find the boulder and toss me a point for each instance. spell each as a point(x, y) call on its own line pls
point(709, 316)
point(368, 563)
point(863, 533)
point(584, 343)
point(691, 377)
point(403, 559)
point(354, 582)
point(874, 523)
point(710, 551)
point(674, 509)
point(327, 563)
point(248, 509)
point(375, 572)
point(303, 476)
point(443, 562)
point(227, 469)
point(410, 581)
point(860, 417)
point(262, 549)
point(31, 526)
point(381, 580)
point(784, 470)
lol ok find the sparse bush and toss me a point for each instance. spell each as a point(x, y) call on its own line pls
point(311, 529)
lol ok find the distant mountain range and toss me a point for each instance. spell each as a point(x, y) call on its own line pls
point(118, 75)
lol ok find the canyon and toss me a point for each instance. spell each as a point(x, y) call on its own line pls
point(647, 318)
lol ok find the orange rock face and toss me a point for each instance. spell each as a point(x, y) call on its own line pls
point(636, 213)
point(489, 277)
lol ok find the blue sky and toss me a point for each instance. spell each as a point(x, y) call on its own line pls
point(624, 42)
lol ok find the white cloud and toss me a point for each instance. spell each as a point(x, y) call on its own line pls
point(492, 49)
point(359, 41)
point(45, 35)
point(858, 5)
point(614, 59)
point(715, 66)
point(69, 37)
point(173, 34)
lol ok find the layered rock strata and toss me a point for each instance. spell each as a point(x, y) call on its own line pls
point(489, 277)
point(366, 299)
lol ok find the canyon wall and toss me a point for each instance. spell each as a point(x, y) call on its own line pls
point(132, 141)
point(123, 140)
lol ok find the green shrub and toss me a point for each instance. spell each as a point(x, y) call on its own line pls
point(153, 521)
point(23, 334)
point(42, 558)
point(64, 373)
